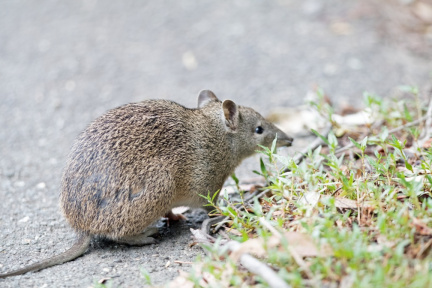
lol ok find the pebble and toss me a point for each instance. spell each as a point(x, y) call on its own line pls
point(19, 184)
point(23, 220)
point(41, 185)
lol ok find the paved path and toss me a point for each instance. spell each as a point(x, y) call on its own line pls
point(63, 63)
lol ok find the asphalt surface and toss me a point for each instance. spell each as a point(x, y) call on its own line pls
point(63, 63)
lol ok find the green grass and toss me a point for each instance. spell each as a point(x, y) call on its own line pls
point(384, 242)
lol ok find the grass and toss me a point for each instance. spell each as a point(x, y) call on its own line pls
point(369, 207)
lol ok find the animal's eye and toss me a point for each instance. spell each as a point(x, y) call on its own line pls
point(259, 130)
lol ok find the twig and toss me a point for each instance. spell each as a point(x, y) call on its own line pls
point(337, 190)
point(409, 124)
point(183, 262)
point(205, 226)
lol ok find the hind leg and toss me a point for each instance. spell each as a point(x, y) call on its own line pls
point(140, 239)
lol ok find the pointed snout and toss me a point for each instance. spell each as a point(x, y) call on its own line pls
point(284, 140)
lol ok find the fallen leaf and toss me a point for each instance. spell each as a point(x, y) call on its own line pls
point(278, 213)
point(356, 119)
point(344, 203)
point(347, 281)
point(421, 228)
point(235, 232)
point(251, 246)
point(232, 189)
point(347, 109)
point(423, 11)
point(383, 241)
point(297, 120)
point(310, 198)
point(180, 210)
point(301, 243)
point(427, 144)
point(208, 278)
point(181, 281)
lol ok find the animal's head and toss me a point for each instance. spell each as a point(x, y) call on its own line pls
point(245, 127)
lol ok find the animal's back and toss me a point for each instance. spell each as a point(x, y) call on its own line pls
point(117, 160)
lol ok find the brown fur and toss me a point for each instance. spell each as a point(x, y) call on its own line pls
point(135, 163)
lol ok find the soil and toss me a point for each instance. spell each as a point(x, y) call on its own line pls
point(63, 63)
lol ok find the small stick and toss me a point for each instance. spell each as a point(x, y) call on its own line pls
point(205, 226)
point(183, 262)
point(413, 123)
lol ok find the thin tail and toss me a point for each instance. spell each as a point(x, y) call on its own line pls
point(78, 248)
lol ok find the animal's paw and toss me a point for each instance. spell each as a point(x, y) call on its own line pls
point(140, 239)
point(175, 217)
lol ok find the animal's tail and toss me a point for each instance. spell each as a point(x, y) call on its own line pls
point(78, 248)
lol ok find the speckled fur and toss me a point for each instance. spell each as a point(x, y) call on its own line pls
point(135, 163)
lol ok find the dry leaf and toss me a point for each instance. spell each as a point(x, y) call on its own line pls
point(181, 281)
point(232, 189)
point(347, 281)
point(298, 120)
point(423, 11)
point(254, 247)
point(382, 240)
point(357, 119)
point(208, 278)
point(278, 213)
point(310, 198)
point(235, 232)
point(180, 210)
point(344, 203)
point(301, 243)
point(421, 228)
point(427, 144)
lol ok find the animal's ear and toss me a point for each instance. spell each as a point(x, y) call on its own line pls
point(205, 97)
point(231, 114)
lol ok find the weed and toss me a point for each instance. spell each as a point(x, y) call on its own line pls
point(371, 205)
